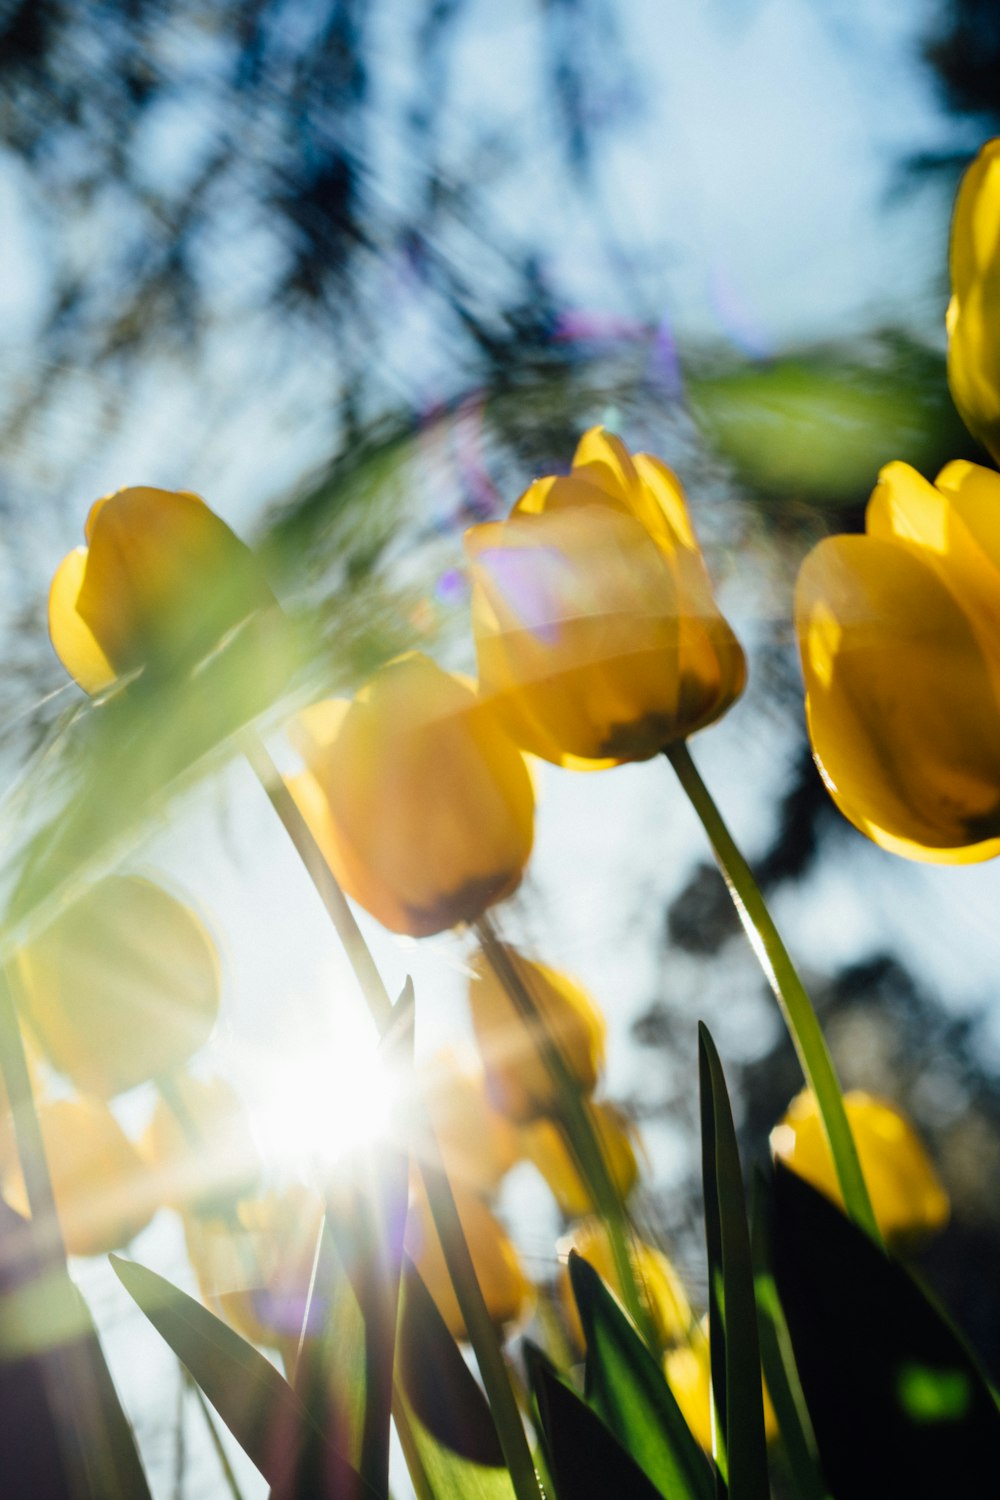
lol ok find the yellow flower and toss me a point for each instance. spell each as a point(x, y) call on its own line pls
point(974, 310)
point(160, 585)
point(517, 1079)
point(660, 1286)
point(596, 630)
point(98, 1181)
point(506, 1290)
point(207, 1156)
point(478, 1145)
point(906, 1192)
point(899, 632)
point(688, 1369)
point(256, 1271)
point(422, 806)
point(545, 1146)
point(122, 985)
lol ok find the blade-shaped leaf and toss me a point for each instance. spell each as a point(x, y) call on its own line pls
point(64, 1434)
point(586, 1459)
point(256, 1403)
point(628, 1390)
point(732, 1311)
point(441, 1410)
point(797, 1438)
point(897, 1403)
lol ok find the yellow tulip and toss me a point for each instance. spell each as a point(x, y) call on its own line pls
point(899, 632)
point(207, 1155)
point(659, 1284)
point(478, 1145)
point(256, 1271)
point(688, 1369)
point(422, 806)
point(545, 1146)
point(517, 1079)
point(122, 985)
point(160, 585)
point(909, 1201)
point(974, 310)
point(99, 1183)
point(506, 1290)
point(596, 629)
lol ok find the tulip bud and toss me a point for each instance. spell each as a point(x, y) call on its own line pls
point(101, 1193)
point(121, 986)
point(517, 1079)
point(545, 1146)
point(161, 585)
point(974, 310)
point(421, 804)
point(909, 1201)
point(504, 1285)
point(597, 634)
point(660, 1287)
point(688, 1369)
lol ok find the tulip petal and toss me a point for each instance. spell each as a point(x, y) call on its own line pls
point(72, 638)
point(973, 348)
point(602, 458)
point(902, 712)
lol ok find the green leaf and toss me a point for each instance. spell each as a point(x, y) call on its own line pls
point(256, 1403)
point(736, 1380)
point(64, 1434)
point(798, 1441)
point(443, 1418)
point(898, 1404)
point(627, 1388)
point(586, 1460)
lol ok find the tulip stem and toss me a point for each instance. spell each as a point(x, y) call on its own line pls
point(322, 877)
point(577, 1124)
point(781, 975)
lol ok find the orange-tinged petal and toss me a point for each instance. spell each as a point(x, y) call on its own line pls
point(902, 713)
point(428, 808)
point(72, 638)
point(909, 1200)
point(516, 1076)
point(122, 985)
point(478, 1144)
point(602, 459)
point(206, 1156)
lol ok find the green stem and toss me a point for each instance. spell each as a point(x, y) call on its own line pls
point(232, 1484)
point(796, 1007)
point(581, 1136)
point(322, 877)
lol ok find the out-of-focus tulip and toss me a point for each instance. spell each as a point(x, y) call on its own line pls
point(421, 804)
point(545, 1146)
point(597, 632)
point(909, 1201)
point(162, 583)
point(99, 1183)
point(121, 986)
point(506, 1290)
point(209, 1154)
point(256, 1271)
point(899, 632)
point(974, 310)
point(516, 1076)
point(688, 1369)
point(478, 1145)
point(659, 1285)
